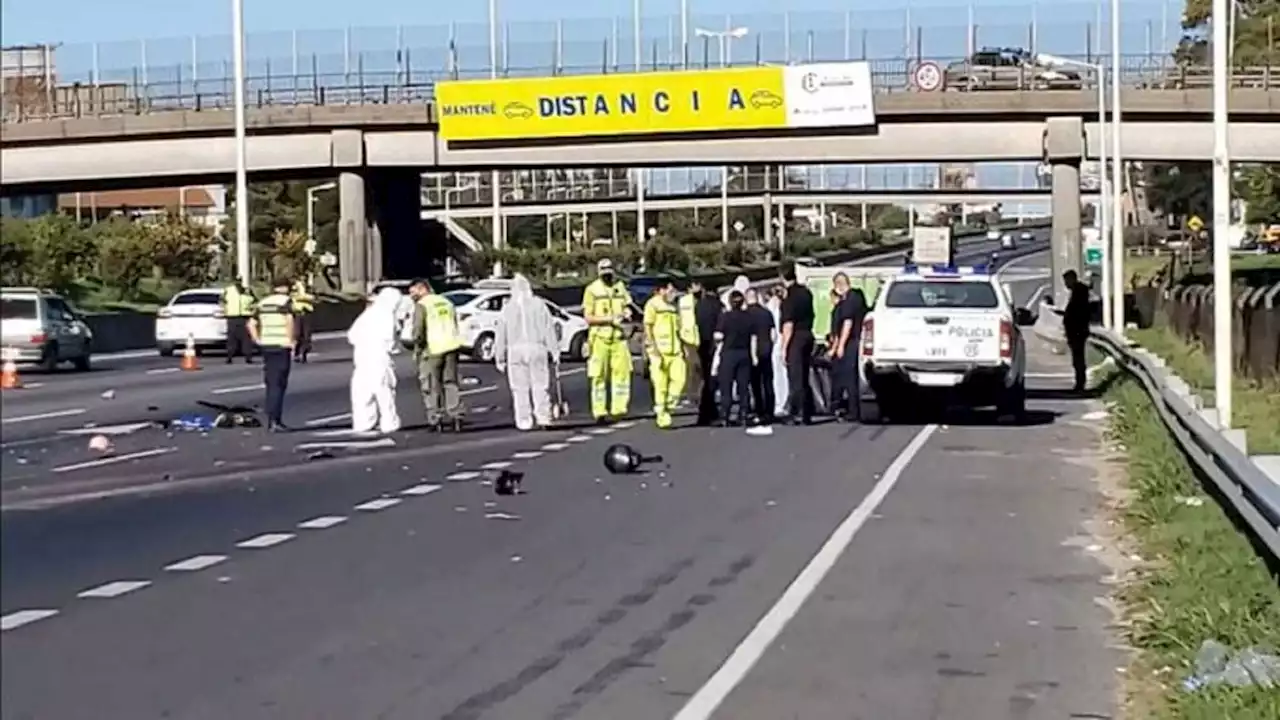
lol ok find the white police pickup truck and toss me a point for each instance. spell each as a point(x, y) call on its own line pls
point(945, 336)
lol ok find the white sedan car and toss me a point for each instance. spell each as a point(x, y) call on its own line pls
point(480, 311)
point(195, 314)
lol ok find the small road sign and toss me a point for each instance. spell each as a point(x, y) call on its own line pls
point(927, 76)
point(1195, 224)
point(1093, 256)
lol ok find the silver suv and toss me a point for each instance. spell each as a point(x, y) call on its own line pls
point(1007, 69)
point(39, 327)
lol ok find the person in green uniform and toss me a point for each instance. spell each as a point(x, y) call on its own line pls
point(237, 306)
point(303, 306)
point(437, 343)
point(273, 328)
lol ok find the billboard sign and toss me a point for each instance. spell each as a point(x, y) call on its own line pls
point(759, 98)
point(931, 245)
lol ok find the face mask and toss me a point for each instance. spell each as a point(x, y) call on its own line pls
point(607, 277)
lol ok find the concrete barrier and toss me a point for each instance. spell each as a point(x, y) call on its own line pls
point(1255, 323)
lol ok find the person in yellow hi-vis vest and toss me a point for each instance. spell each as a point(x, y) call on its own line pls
point(436, 346)
point(687, 308)
point(665, 348)
point(272, 328)
point(237, 307)
point(605, 306)
point(303, 306)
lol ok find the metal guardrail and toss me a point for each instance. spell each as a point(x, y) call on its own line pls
point(1253, 496)
point(29, 99)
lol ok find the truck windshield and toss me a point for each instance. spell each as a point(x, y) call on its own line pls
point(941, 294)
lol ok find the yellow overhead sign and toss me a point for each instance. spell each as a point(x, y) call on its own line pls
point(656, 102)
point(636, 103)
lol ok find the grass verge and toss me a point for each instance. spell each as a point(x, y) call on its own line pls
point(1199, 579)
point(1256, 404)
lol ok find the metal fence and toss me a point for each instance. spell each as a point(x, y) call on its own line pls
point(1255, 324)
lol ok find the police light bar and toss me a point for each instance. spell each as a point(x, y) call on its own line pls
point(912, 269)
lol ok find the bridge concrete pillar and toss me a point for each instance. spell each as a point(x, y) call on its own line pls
point(381, 234)
point(1063, 151)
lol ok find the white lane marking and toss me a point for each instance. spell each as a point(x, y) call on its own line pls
point(32, 386)
point(744, 657)
point(114, 589)
point(626, 424)
point(553, 447)
point(192, 564)
point(115, 459)
point(497, 465)
point(578, 439)
point(163, 371)
point(329, 419)
point(348, 444)
point(265, 540)
point(43, 416)
point(378, 504)
point(477, 391)
point(324, 522)
point(108, 429)
point(236, 389)
point(601, 431)
point(525, 455)
point(420, 490)
point(464, 475)
point(135, 354)
point(24, 617)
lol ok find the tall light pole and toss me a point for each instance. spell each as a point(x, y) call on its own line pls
point(499, 241)
point(684, 34)
point(1222, 351)
point(1117, 179)
point(242, 161)
point(724, 204)
point(640, 235)
point(1106, 224)
point(724, 37)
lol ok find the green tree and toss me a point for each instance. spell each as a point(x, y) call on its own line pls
point(183, 250)
point(17, 247)
point(126, 255)
point(61, 252)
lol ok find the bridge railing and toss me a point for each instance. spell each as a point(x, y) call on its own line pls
point(29, 98)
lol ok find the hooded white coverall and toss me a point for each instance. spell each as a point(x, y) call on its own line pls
point(374, 337)
point(780, 386)
point(741, 284)
point(524, 346)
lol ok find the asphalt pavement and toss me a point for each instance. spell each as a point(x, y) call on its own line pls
point(833, 571)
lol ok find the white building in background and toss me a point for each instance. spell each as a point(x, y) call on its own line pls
point(204, 205)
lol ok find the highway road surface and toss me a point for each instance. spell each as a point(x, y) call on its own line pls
point(834, 571)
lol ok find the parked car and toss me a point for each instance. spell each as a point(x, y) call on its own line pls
point(196, 314)
point(480, 310)
point(39, 327)
point(1007, 69)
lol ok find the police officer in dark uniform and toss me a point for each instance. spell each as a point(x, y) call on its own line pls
point(796, 317)
point(273, 329)
point(737, 337)
point(846, 330)
point(707, 312)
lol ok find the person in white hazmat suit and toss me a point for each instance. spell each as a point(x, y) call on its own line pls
point(374, 337)
point(524, 348)
point(741, 284)
point(780, 387)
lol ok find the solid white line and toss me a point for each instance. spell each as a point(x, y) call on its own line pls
point(378, 504)
point(108, 429)
point(323, 522)
point(552, 447)
point(199, 562)
point(24, 617)
point(236, 389)
point(744, 657)
point(526, 455)
point(497, 465)
point(464, 475)
point(43, 416)
point(163, 371)
point(420, 490)
point(265, 540)
point(348, 444)
point(115, 459)
point(114, 589)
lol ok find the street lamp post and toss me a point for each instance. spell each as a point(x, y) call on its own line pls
point(1117, 177)
point(242, 170)
point(723, 37)
point(1107, 226)
point(499, 242)
point(1222, 350)
point(311, 207)
point(684, 34)
point(724, 204)
point(640, 236)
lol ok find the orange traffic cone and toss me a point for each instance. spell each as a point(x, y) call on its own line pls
point(189, 359)
point(9, 373)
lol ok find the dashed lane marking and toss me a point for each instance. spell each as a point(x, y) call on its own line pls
point(601, 431)
point(378, 504)
point(709, 697)
point(43, 416)
point(17, 619)
point(578, 439)
point(114, 589)
point(163, 371)
point(192, 564)
point(328, 419)
point(553, 447)
point(463, 475)
point(625, 424)
point(420, 490)
point(324, 522)
point(265, 540)
point(124, 429)
point(348, 444)
point(237, 389)
point(526, 455)
point(114, 459)
point(497, 465)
